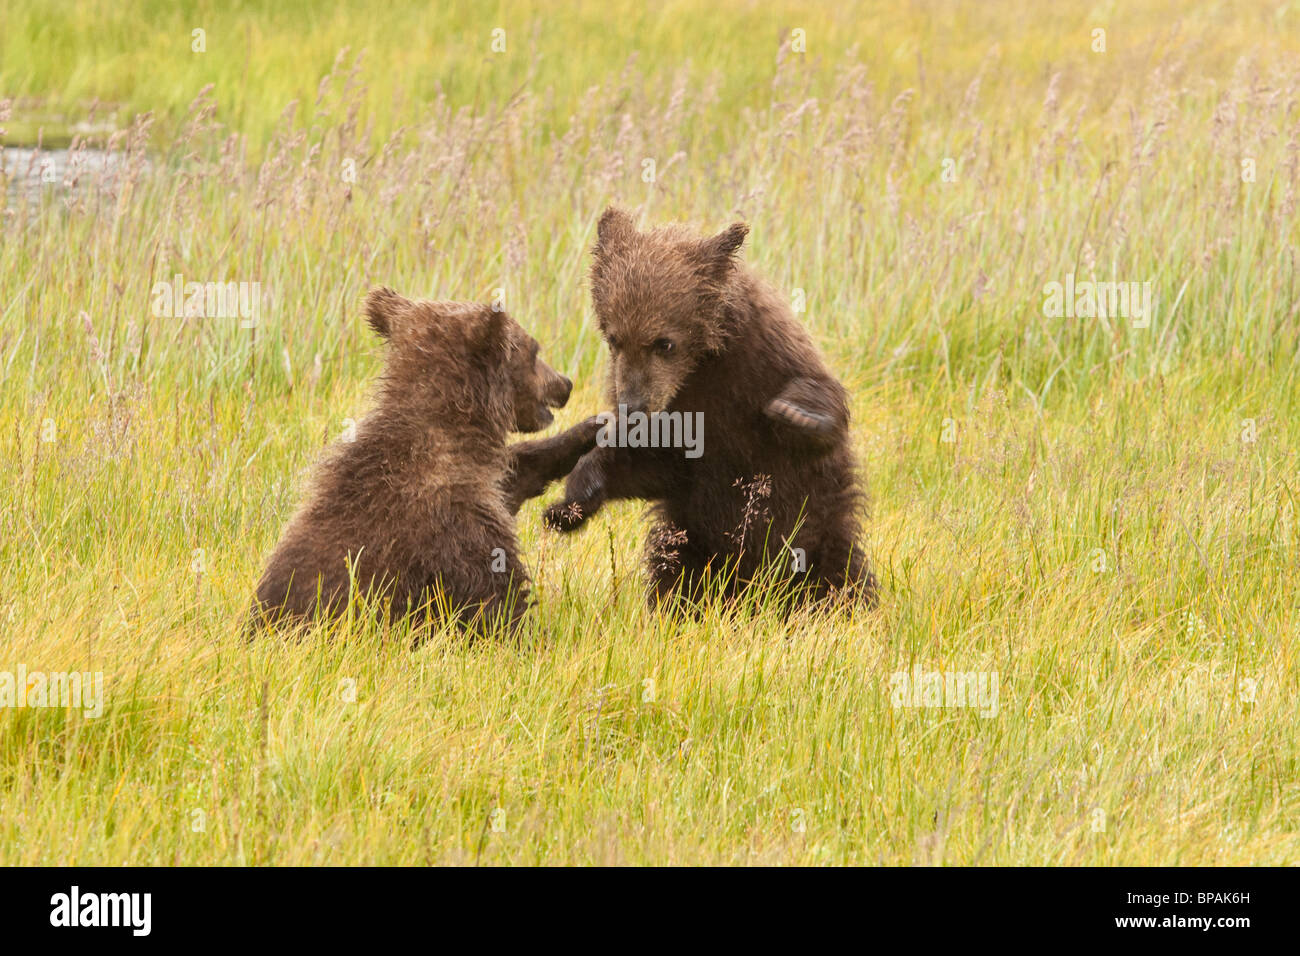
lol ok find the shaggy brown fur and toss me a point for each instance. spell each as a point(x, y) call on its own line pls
point(421, 504)
point(691, 329)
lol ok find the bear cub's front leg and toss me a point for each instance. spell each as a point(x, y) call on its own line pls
point(535, 464)
point(607, 473)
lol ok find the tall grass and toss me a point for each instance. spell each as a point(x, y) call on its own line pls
point(1101, 514)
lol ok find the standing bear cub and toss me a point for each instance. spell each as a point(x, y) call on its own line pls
point(418, 509)
point(771, 493)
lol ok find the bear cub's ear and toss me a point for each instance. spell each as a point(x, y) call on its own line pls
point(721, 249)
point(615, 227)
point(489, 329)
point(382, 307)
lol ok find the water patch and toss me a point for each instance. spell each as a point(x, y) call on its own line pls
point(28, 173)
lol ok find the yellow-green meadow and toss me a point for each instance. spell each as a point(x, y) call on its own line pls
point(1056, 269)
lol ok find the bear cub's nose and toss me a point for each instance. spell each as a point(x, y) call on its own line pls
point(562, 391)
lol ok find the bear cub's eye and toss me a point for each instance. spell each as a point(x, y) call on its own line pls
point(663, 346)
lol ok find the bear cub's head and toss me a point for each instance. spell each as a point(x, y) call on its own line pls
point(661, 300)
point(468, 357)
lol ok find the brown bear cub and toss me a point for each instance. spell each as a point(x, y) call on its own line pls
point(770, 494)
point(419, 508)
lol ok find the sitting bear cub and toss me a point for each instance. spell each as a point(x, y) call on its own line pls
point(419, 508)
point(770, 491)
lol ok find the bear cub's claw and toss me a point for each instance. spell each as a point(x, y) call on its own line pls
point(787, 411)
point(564, 516)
